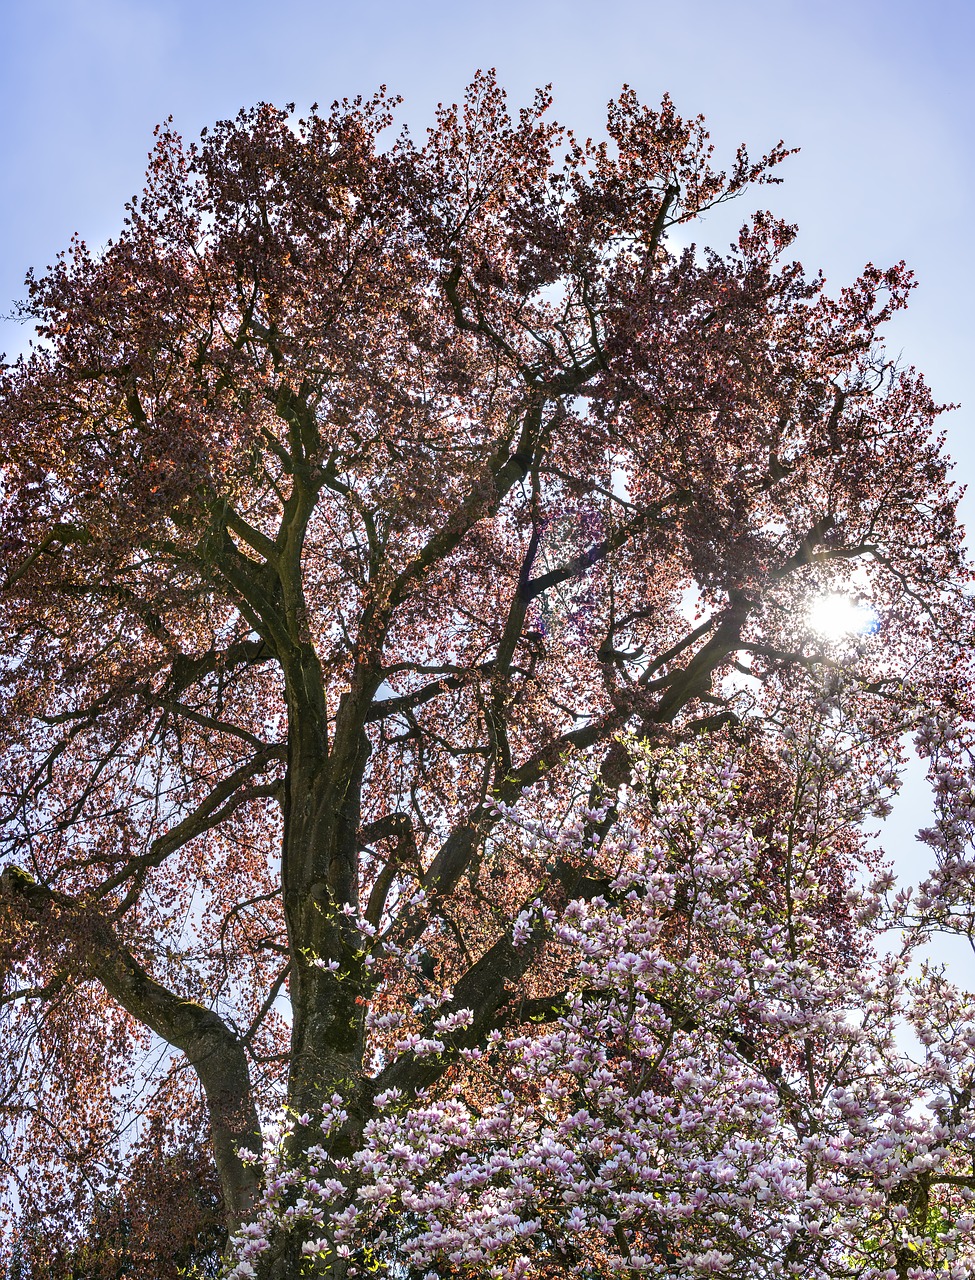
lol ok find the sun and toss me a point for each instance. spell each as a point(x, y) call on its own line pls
point(836, 616)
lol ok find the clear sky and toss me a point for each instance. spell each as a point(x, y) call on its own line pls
point(879, 95)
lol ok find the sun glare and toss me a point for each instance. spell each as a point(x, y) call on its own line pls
point(836, 616)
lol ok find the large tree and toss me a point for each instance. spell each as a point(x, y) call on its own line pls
point(364, 504)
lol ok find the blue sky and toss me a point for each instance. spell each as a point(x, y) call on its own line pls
point(878, 94)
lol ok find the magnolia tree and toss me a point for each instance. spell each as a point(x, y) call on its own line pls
point(715, 1088)
point(436, 827)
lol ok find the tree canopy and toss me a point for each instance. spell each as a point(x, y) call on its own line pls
point(415, 722)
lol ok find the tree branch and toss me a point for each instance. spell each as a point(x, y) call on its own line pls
point(215, 1053)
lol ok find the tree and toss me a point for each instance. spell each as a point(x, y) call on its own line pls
point(367, 506)
point(163, 1219)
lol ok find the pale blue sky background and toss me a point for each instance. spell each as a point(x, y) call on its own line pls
point(879, 94)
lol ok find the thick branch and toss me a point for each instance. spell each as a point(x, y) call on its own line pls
point(215, 1053)
point(218, 804)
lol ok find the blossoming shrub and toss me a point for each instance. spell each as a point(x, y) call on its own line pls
point(722, 1088)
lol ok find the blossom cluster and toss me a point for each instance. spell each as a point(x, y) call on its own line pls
point(717, 1089)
